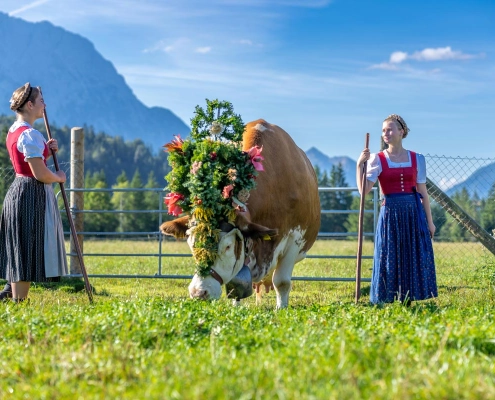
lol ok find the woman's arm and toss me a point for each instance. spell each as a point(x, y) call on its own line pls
point(364, 157)
point(426, 205)
point(42, 173)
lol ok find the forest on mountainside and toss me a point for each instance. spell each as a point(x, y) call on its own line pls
point(111, 155)
point(112, 162)
point(109, 162)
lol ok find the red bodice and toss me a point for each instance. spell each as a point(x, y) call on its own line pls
point(21, 167)
point(398, 180)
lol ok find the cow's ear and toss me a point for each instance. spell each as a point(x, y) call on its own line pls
point(177, 228)
point(255, 231)
point(251, 230)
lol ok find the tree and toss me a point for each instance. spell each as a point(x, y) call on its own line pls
point(352, 223)
point(334, 200)
point(152, 202)
point(439, 217)
point(119, 201)
point(452, 229)
point(136, 201)
point(98, 222)
point(488, 212)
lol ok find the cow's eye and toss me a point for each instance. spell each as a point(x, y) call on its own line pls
point(227, 248)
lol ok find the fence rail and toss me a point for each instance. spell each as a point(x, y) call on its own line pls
point(468, 180)
point(160, 255)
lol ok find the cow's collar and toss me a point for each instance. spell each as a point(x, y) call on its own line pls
point(214, 274)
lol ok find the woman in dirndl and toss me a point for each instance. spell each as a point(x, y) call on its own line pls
point(31, 235)
point(403, 262)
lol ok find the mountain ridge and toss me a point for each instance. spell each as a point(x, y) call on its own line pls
point(79, 85)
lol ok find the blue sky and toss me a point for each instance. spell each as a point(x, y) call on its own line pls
point(325, 71)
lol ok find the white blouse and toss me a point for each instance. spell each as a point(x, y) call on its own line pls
point(374, 166)
point(31, 142)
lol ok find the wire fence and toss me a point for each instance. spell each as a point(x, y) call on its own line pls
point(468, 181)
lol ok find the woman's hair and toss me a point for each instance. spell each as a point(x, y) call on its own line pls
point(399, 121)
point(22, 95)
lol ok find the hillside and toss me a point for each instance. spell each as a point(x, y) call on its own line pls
point(479, 182)
point(80, 87)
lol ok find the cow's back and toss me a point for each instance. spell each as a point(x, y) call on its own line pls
point(286, 194)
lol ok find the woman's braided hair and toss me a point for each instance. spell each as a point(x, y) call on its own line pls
point(22, 95)
point(400, 121)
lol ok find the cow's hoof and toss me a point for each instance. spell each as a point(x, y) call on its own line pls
point(241, 285)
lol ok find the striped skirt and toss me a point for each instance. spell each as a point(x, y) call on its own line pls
point(31, 234)
point(403, 263)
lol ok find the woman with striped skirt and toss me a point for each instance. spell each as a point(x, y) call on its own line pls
point(403, 263)
point(31, 235)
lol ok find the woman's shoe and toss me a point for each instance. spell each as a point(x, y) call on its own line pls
point(6, 293)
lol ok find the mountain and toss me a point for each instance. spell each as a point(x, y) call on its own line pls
point(479, 182)
point(80, 87)
point(325, 163)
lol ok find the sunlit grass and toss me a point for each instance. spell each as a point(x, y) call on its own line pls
point(144, 338)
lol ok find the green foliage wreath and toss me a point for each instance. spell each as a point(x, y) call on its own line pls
point(211, 176)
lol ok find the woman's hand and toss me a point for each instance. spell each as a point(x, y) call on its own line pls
point(61, 176)
point(363, 157)
point(53, 145)
point(432, 228)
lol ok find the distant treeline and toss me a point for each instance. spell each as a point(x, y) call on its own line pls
point(111, 162)
point(102, 153)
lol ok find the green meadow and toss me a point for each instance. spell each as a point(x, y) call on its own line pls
point(145, 339)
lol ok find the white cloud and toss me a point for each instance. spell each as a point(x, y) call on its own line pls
point(167, 46)
point(385, 66)
point(397, 57)
point(428, 54)
point(438, 54)
point(203, 50)
point(28, 7)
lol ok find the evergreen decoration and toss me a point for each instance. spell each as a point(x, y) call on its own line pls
point(211, 176)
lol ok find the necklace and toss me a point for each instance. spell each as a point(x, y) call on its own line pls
point(397, 158)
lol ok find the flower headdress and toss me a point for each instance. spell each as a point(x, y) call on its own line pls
point(210, 176)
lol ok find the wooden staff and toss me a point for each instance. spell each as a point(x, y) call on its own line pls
point(69, 216)
point(360, 225)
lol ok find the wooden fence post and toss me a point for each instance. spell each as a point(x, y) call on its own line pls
point(76, 198)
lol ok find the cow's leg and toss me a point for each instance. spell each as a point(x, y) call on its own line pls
point(283, 274)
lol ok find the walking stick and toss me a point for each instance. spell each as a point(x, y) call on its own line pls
point(360, 226)
point(69, 216)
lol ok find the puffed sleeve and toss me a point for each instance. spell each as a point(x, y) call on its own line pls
point(420, 159)
point(373, 167)
point(31, 143)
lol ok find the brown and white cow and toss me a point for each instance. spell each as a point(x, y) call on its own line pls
point(285, 199)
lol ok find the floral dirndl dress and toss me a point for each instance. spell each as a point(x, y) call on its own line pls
point(403, 262)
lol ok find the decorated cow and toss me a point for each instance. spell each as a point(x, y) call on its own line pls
point(251, 204)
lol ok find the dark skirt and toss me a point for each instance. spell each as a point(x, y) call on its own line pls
point(22, 232)
point(403, 264)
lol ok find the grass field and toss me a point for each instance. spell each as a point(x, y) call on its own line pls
point(145, 339)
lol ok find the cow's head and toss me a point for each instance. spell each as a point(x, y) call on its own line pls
point(231, 253)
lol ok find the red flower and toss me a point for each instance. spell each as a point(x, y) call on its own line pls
point(227, 191)
point(213, 155)
point(171, 200)
point(174, 145)
point(256, 158)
